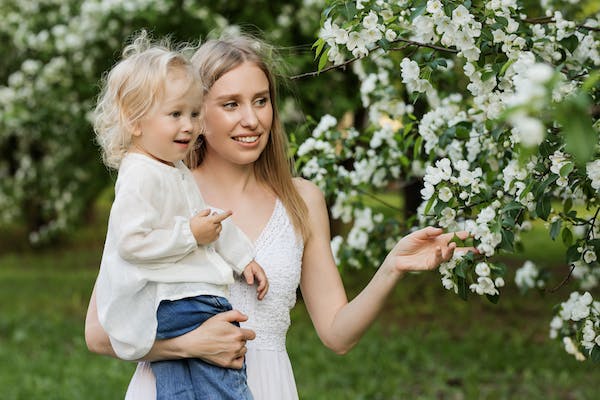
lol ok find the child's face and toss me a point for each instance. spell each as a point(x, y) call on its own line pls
point(169, 130)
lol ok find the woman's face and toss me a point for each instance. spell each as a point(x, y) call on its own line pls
point(238, 115)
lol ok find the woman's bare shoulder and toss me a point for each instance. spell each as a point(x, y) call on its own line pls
point(310, 193)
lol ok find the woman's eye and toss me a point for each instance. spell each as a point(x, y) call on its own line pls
point(230, 105)
point(262, 101)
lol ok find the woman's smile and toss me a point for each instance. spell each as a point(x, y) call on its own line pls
point(246, 139)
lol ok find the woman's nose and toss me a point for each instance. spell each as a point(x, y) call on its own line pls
point(249, 118)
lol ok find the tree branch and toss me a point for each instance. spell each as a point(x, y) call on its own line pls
point(564, 281)
point(550, 20)
point(350, 61)
point(385, 203)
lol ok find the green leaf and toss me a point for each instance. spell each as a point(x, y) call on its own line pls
point(513, 205)
point(595, 353)
point(570, 43)
point(417, 148)
point(319, 45)
point(487, 75)
point(572, 254)
point(566, 169)
point(384, 44)
point(498, 268)
point(323, 60)
point(463, 132)
point(539, 191)
point(555, 229)
point(595, 243)
point(568, 205)
point(463, 290)
point(350, 9)
point(546, 149)
point(580, 136)
point(505, 67)
point(439, 62)
point(502, 21)
point(591, 81)
point(328, 10)
point(459, 242)
point(567, 236)
point(428, 205)
point(543, 207)
point(508, 240)
point(460, 270)
point(493, 298)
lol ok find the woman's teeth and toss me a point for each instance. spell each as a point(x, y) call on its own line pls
point(246, 139)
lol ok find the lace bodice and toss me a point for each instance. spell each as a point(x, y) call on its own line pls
point(279, 252)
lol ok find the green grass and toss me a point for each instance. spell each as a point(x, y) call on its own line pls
point(44, 297)
point(427, 344)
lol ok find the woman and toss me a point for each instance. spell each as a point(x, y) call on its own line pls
point(241, 165)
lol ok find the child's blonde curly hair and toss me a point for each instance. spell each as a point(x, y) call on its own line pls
point(131, 88)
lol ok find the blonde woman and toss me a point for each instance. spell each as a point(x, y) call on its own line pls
point(163, 271)
point(241, 165)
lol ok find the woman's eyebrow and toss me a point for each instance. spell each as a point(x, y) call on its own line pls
point(263, 93)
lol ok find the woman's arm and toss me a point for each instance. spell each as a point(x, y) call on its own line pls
point(217, 341)
point(339, 323)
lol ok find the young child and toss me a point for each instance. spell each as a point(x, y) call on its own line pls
point(166, 264)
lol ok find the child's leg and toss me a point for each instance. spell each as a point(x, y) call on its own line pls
point(173, 380)
point(184, 315)
point(193, 378)
point(212, 382)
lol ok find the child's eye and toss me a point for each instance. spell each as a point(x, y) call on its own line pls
point(195, 114)
point(176, 114)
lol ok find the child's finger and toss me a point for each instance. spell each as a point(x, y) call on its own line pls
point(249, 277)
point(262, 289)
point(217, 218)
point(203, 213)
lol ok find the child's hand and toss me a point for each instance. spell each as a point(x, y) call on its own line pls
point(206, 227)
point(253, 270)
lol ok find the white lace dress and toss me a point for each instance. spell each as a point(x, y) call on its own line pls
point(270, 376)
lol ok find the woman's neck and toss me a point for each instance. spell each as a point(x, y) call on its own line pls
point(233, 187)
point(218, 180)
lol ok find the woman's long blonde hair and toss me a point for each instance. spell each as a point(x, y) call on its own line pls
point(273, 167)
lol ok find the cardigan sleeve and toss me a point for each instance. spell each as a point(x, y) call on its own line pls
point(234, 246)
point(135, 219)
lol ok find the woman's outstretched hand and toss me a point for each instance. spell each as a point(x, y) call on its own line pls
point(424, 249)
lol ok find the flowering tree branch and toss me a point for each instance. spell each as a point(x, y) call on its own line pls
point(507, 127)
point(350, 61)
point(550, 20)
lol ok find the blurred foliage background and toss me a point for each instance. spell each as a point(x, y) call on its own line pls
point(53, 55)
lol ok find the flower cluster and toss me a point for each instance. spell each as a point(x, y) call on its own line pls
point(576, 325)
point(529, 276)
point(490, 107)
point(54, 54)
